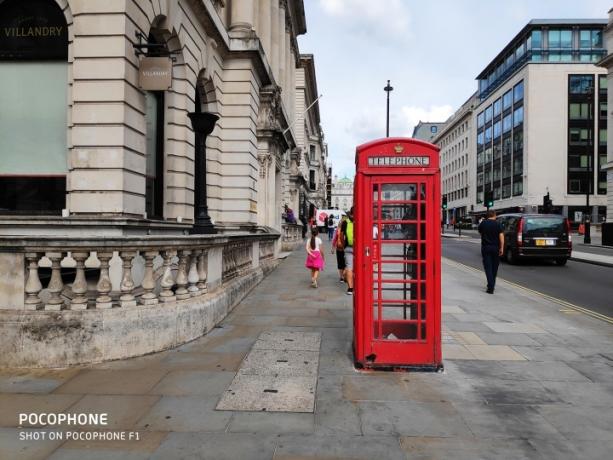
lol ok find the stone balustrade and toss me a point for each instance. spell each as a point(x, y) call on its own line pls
point(291, 236)
point(170, 269)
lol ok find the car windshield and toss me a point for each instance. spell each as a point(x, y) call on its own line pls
point(545, 226)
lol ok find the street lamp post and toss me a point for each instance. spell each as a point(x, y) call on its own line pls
point(388, 89)
point(203, 124)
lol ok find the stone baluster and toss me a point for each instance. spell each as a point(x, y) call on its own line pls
point(167, 281)
point(33, 285)
point(104, 285)
point(202, 268)
point(192, 276)
point(79, 285)
point(182, 292)
point(56, 284)
point(126, 287)
point(148, 284)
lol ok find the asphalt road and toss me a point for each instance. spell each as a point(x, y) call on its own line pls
point(586, 285)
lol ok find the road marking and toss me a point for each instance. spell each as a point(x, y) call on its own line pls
point(564, 303)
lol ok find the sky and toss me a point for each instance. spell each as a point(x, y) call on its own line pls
point(431, 50)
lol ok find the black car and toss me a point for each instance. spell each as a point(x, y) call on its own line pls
point(544, 236)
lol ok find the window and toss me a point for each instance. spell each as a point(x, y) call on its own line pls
point(602, 137)
point(506, 145)
point(488, 114)
point(497, 107)
point(480, 119)
point(312, 152)
point(518, 188)
point(507, 100)
point(603, 110)
point(433, 129)
point(488, 135)
point(560, 39)
point(578, 136)
point(590, 39)
point(517, 166)
point(518, 141)
point(537, 39)
point(578, 110)
point(506, 124)
point(518, 116)
point(602, 82)
point(581, 84)
point(33, 93)
point(497, 130)
point(518, 92)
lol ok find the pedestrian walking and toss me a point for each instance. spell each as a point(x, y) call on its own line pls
point(492, 247)
point(339, 249)
point(330, 226)
point(347, 236)
point(315, 256)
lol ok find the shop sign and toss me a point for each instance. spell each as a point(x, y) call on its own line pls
point(33, 29)
point(155, 73)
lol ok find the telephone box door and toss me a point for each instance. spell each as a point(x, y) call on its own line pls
point(401, 247)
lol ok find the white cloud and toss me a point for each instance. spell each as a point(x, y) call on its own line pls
point(375, 19)
point(413, 115)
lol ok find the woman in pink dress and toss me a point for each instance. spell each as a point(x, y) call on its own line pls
point(315, 256)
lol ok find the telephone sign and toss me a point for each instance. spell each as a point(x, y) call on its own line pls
point(397, 250)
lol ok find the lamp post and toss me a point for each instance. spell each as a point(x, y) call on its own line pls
point(203, 124)
point(388, 89)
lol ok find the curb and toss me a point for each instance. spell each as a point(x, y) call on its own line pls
point(593, 262)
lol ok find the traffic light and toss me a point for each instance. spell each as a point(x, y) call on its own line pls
point(547, 204)
point(489, 199)
point(444, 205)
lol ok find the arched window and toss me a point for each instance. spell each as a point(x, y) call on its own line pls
point(33, 101)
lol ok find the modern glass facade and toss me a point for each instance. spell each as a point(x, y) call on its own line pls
point(543, 43)
point(500, 146)
point(587, 134)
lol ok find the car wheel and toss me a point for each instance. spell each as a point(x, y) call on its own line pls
point(511, 258)
point(561, 262)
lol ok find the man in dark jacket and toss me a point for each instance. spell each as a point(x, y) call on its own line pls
point(492, 247)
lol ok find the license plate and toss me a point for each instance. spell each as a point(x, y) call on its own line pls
point(545, 242)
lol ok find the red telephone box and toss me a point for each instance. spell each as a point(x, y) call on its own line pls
point(397, 254)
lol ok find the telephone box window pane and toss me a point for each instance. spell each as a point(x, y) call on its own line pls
point(399, 192)
point(396, 212)
point(399, 231)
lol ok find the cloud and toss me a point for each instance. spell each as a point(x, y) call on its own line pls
point(413, 115)
point(373, 19)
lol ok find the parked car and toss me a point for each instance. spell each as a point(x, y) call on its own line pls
point(546, 236)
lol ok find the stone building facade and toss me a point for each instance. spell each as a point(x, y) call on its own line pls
point(98, 183)
point(607, 63)
point(128, 154)
point(308, 173)
point(342, 193)
point(456, 139)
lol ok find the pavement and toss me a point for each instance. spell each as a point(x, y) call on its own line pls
point(588, 253)
point(524, 378)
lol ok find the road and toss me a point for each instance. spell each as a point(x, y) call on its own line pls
point(586, 285)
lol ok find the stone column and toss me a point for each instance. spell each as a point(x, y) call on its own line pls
point(265, 30)
point(148, 284)
point(127, 282)
point(79, 285)
point(241, 15)
point(33, 285)
point(104, 285)
point(274, 39)
point(282, 48)
point(56, 284)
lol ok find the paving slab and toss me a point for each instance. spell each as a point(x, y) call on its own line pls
point(280, 362)
point(193, 383)
point(524, 328)
point(184, 413)
point(11, 405)
point(269, 393)
point(271, 422)
point(290, 340)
